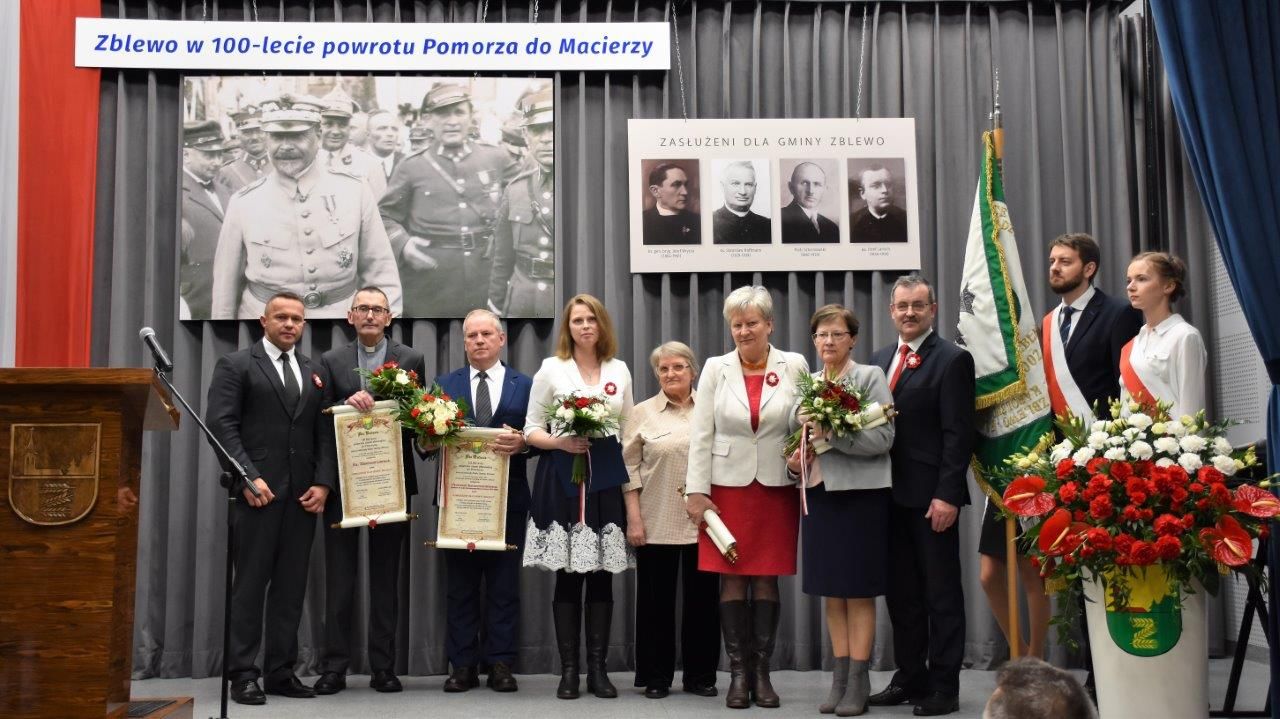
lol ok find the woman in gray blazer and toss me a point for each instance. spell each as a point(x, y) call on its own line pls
point(849, 510)
point(739, 425)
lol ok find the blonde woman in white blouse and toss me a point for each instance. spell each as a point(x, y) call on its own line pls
point(581, 533)
point(1166, 362)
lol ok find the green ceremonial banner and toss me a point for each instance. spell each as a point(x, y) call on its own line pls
point(998, 327)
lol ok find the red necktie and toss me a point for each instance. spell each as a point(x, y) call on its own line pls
point(902, 362)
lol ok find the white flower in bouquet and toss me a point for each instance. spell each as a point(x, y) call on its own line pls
point(1116, 441)
point(1187, 421)
point(564, 413)
point(1060, 451)
point(851, 419)
point(1084, 454)
point(1224, 464)
point(1099, 426)
point(1023, 463)
point(1165, 462)
point(440, 425)
point(1175, 429)
point(1221, 445)
point(1140, 450)
point(1158, 428)
point(1098, 440)
point(1167, 445)
point(1139, 421)
point(1190, 462)
point(402, 377)
point(1193, 443)
point(1131, 434)
point(1114, 454)
point(818, 403)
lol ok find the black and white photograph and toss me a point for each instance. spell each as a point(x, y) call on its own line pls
point(672, 207)
point(877, 189)
point(742, 214)
point(810, 204)
point(320, 185)
point(744, 194)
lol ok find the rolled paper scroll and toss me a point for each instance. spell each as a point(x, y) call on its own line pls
point(720, 536)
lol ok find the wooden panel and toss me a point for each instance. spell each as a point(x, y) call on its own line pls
point(66, 591)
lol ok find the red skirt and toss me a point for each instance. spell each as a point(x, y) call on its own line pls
point(765, 522)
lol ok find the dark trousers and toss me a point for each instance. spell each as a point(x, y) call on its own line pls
point(341, 550)
point(926, 602)
point(272, 552)
point(499, 573)
point(658, 566)
point(458, 284)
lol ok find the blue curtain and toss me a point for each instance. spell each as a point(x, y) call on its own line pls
point(1223, 63)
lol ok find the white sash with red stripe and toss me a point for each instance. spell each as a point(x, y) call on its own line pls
point(1064, 394)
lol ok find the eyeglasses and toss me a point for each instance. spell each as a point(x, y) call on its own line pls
point(824, 336)
point(914, 306)
point(672, 369)
point(374, 310)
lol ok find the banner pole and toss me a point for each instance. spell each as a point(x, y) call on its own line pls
point(1011, 579)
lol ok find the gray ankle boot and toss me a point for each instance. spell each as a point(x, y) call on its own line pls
point(854, 701)
point(839, 680)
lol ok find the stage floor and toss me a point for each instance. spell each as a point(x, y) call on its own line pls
point(801, 692)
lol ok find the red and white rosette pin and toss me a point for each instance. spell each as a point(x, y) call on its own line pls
point(771, 379)
point(315, 380)
point(610, 388)
point(914, 361)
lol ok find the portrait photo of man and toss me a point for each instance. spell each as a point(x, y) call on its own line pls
point(671, 202)
point(743, 216)
point(806, 216)
point(876, 186)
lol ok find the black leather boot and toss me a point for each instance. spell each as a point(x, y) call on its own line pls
point(599, 616)
point(568, 621)
point(735, 624)
point(765, 626)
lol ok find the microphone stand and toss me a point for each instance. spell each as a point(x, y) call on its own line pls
point(229, 479)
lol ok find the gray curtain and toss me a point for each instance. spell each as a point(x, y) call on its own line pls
point(1068, 167)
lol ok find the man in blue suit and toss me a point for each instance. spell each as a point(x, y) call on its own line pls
point(497, 396)
point(932, 381)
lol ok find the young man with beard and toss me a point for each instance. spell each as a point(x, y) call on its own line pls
point(264, 407)
point(204, 202)
point(305, 228)
point(371, 315)
point(522, 281)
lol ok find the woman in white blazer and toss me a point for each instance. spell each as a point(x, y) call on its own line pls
point(736, 468)
point(848, 509)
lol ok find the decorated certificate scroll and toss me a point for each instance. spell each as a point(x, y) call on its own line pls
point(370, 465)
point(473, 493)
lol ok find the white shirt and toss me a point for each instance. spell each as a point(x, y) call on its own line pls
point(208, 190)
point(274, 353)
point(915, 347)
point(743, 213)
point(1081, 302)
point(1174, 353)
point(557, 377)
point(496, 374)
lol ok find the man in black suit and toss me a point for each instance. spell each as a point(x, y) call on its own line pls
point(933, 389)
point(1092, 327)
point(801, 221)
point(370, 314)
point(880, 221)
point(670, 221)
point(264, 407)
point(497, 396)
point(735, 223)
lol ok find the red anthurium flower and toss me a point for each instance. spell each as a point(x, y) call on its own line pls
point(1256, 502)
point(1228, 542)
point(1059, 535)
point(1025, 497)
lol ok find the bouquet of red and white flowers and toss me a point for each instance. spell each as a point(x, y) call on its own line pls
point(1137, 490)
point(434, 416)
point(580, 415)
point(837, 407)
point(390, 381)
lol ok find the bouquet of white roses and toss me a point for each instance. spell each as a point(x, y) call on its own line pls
point(580, 415)
point(434, 416)
point(390, 381)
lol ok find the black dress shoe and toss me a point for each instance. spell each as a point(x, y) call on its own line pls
point(291, 687)
point(702, 690)
point(500, 679)
point(385, 682)
point(462, 679)
point(656, 692)
point(936, 704)
point(247, 691)
point(891, 695)
point(330, 683)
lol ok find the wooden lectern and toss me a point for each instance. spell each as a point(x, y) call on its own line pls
point(70, 459)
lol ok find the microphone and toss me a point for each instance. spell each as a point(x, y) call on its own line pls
point(148, 337)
